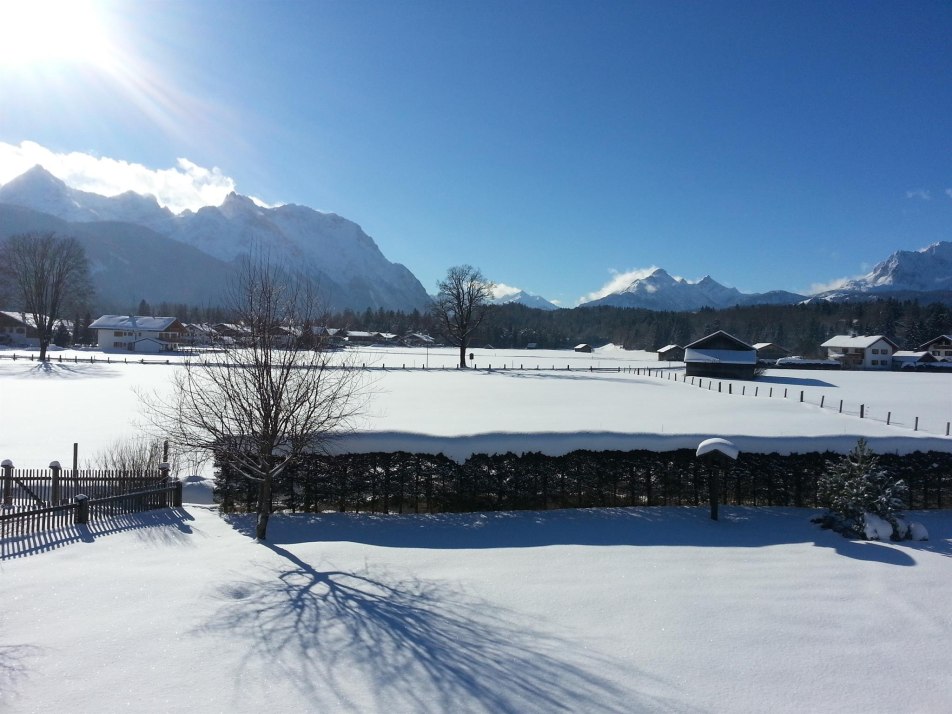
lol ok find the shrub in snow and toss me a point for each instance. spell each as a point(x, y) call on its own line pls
point(917, 531)
point(861, 496)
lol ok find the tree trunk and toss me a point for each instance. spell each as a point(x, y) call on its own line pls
point(44, 344)
point(264, 508)
point(462, 355)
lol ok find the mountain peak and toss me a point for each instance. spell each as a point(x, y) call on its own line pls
point(32, 180)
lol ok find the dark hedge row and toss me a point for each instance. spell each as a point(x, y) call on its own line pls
point(421, 483)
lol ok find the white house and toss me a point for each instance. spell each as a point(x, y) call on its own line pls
point(861, 351)
point(137, 333)
point(940, 347)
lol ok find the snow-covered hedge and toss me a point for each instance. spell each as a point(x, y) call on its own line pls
point(418, 482)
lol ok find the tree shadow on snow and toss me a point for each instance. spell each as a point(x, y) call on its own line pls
point(66, 370)
point(165, 525)
point(14, 670)
point(738, 527)
point(359, 640)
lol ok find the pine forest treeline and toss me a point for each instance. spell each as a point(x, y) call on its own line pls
point(799, 328)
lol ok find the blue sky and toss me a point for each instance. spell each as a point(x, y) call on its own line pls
point(556, 145)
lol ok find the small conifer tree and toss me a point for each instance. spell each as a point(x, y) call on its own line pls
point(857, 485)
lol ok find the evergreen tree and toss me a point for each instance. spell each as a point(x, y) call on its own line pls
point(856, 485)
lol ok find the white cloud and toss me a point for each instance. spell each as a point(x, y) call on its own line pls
point(948, 192)
point(919, 193)
point(184, 186)
point(832, 285)
point(503, 291)
point(619, 281)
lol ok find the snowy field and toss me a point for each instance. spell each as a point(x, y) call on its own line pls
point(604, 610)
point(419, 402)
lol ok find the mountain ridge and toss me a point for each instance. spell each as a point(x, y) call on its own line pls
point(351, 270)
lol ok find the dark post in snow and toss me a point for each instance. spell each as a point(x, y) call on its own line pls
point(82, 510)
point(717, 454)
point(55, 483)
point(7, 467)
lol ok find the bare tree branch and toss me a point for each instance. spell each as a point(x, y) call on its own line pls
point(460, 304)
point(260, 404)
point(49, 276)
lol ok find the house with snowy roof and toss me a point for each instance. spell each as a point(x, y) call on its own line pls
point(861, 351)
point(720, 355)
point(940, 347)
point(18, 329)
point(908, 359)
point(138, 333)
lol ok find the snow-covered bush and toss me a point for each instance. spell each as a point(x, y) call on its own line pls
point(862, 498)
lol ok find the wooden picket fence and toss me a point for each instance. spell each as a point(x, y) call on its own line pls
point(40, 500)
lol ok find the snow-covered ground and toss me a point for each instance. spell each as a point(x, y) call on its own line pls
point(606, 610)
point(556, 408)
point(614, 610)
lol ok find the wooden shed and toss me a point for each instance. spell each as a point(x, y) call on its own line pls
point(671, 353)
point(720, 355)
point(770, 351)
point(583, 347)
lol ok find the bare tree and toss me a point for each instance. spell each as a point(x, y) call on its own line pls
point(260, 405)
point(460, 304)
point(49, 275)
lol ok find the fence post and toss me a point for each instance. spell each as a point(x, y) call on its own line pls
point(862, 411)
point(801, 395)
point(888, 418)
point(7, 467)
point(822, 398)
point(55, 483)
point(82, 510)
point(916, 427)
point(176, 493)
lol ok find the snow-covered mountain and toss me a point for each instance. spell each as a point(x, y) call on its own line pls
point(527, 299)
point(662, 291)
point(925, 270)
point(346, 262)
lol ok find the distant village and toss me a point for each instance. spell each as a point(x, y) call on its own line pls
point(716, 355)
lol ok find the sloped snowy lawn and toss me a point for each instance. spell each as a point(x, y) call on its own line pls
point(614, 610)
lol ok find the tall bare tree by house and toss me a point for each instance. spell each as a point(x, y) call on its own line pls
point(461, 303)
point(261, 403)
point(49, 276)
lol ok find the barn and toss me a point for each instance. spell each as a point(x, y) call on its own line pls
point(671, 353)
point(720, 355)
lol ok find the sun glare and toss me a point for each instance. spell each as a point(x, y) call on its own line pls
point(51, 31)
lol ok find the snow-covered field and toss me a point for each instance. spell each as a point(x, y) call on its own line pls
point(607, 610)
point(615, 610)
point(556, 408)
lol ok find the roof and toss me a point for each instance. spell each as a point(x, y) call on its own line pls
point(670, 347)
point(940, 338)
point(133, 322)
point(910, 356)
point(857, 342)
point(718, 340)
